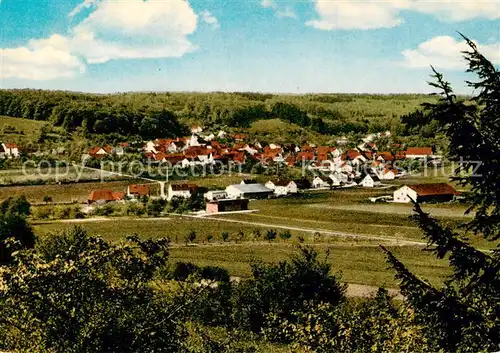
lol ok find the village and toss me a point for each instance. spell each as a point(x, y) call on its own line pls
point(322, 168)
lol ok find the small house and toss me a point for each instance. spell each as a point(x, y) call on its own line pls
point(418, 152)
point(282, 187)
point(320, 182)
point(136, 191)
point(367, 182)
point(10, 150)
point(104, 196)
point(435, 192)
point(227, 205)
point(213, 195)
point(181, 190)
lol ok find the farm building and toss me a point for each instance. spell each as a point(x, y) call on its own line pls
point(213, 195)
point(104, 196)
point(227, 205)
point(135, 190)
point(282, 187)
point(418, 152)
point(181, 190)
point(252, 191)
point(440, 192)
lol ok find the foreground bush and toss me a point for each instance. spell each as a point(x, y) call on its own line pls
point(284, 288)
point(82, 294)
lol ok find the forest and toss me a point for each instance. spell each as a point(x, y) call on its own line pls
point(150, 115)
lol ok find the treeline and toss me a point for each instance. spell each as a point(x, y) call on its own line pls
point(171, 114)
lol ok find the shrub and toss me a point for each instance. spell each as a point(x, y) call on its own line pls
point(283, 288)
point(271, 235)
point(285, 235)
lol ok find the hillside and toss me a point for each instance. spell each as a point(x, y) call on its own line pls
point(152, 115)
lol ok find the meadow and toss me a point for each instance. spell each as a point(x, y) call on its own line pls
point(62, 193)
point(24, 128)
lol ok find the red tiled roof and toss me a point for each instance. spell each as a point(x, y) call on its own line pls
point(433, 189)
point(180, 187)
point(425, 151)
point(106, 195)
point(306, 156)
point(351, 154)
point(142, 190)
point(387, 156)
point(10, 145)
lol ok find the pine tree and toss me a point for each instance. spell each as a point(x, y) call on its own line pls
point(464, 314)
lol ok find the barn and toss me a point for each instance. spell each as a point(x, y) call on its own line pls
point(436, 192)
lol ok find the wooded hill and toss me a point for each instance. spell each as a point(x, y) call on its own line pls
point(171, 114)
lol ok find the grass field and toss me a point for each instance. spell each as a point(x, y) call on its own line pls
point(75, 192)
point(26, 126)
point(360, 261)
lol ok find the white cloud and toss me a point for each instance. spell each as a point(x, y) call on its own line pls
point(288, 12)
point(458, 10)
point(208, 18)
point(279, 11)
point(39, 61)
point(132, 29)
point(444, 52)
point(268, 4)
point(355, 14)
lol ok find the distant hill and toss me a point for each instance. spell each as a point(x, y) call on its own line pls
point(171, 114)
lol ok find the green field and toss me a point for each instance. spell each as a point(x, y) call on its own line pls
point(25, 128)
point(74, 192)
point(361, 261)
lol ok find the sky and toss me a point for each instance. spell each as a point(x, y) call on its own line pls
point(285, 46)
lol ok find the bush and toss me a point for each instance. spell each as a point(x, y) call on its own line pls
point(283, 288)
point(286, 235)
point(371, 325)
point(81, 294)
point(271, 235)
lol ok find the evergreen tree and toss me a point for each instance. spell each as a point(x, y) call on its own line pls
point(464, 314)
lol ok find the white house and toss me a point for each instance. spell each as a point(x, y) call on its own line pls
point(367, 182)
point(386, 174)
point(180, 190)
point(213, 195)
point(10, 150)
point(335, 179)
point(319, 182)
point(221, 134)
point(282, 187)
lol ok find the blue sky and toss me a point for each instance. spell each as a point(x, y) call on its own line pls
point(240, 45)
